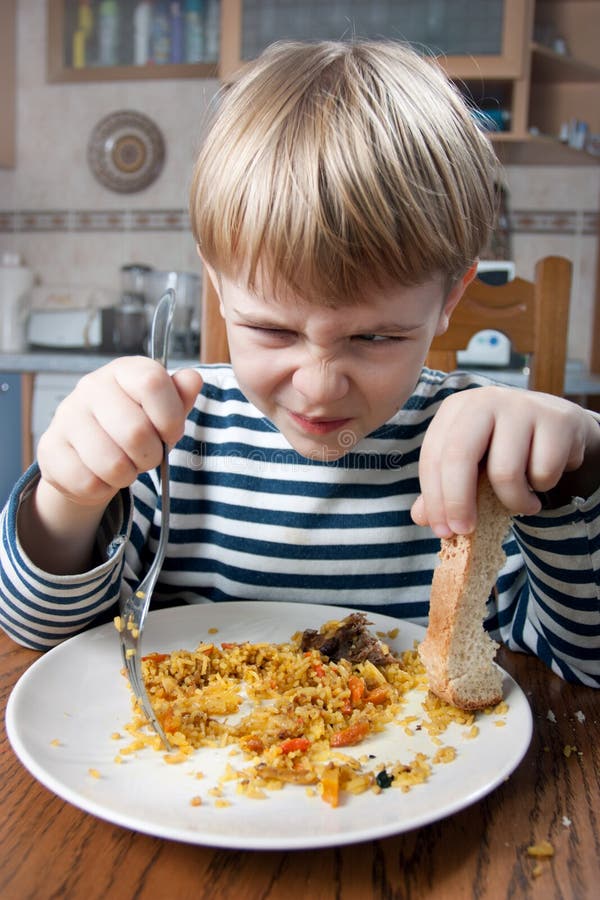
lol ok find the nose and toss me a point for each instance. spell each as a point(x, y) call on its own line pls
point(320, 381)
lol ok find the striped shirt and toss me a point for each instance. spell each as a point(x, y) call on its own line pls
point(251, 519)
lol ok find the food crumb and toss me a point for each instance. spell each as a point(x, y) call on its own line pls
point(55, 743)
point(118, 759)
point(550, 716)
point(118, 623)
point(129, 653)
point(569, 749)
point(566, 821)
point(213, 630)
point(393, 633)
point(173, 759)
point(94, 773)
point(221, 804)
point(580, 716)
point(499, 723)
point(115, 736)
point(445, 755)
point(196, 801)
point(542, 850)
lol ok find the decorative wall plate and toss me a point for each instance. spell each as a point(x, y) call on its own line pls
point(126, 151)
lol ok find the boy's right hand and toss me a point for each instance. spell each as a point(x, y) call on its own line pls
point(112, 427)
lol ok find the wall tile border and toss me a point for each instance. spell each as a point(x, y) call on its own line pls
point(83, 220)
point(522, 221)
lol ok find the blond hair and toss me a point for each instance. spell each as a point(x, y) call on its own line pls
point(334, 165)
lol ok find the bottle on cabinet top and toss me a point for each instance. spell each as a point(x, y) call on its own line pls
point(194, 31)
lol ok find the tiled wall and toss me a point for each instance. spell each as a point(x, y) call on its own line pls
point(72, 230)
point(555, 211)
point(52, 210)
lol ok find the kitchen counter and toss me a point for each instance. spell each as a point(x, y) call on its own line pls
point(578, 381)
point(46, 379)
point(71, 363)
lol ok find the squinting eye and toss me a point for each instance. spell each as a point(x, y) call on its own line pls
point(376, 338)
point(271, 332)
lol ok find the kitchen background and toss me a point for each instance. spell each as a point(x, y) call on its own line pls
point(72, 230)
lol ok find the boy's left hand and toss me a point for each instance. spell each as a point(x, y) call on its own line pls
point(530, 441)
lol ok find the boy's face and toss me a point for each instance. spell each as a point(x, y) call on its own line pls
point(328, 377)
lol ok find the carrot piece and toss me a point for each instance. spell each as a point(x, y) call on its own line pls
point(357, 689)
point(292, 744)
point(170, 722)
point(347, 737)
point(330, 784)
point(254, 744)
point(377, 696)
point(155, 657)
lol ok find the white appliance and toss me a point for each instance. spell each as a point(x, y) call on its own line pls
point(64, 329)
point(66, 318)
point(16, 282)
point(489, 347)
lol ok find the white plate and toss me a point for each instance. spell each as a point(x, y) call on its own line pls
point(76, 697)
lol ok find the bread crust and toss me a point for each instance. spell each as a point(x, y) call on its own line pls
point(458, 654)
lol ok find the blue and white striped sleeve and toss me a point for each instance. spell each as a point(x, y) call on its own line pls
point(552, 606)
point(39, 610)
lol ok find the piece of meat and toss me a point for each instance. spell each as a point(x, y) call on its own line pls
point(350, 640)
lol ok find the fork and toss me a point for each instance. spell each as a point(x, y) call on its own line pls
point(134, 608)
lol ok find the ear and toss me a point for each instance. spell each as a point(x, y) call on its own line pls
point(453, 297)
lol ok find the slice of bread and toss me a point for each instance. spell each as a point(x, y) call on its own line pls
point(457, 653)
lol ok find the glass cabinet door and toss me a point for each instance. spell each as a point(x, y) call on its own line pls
point(460, 27)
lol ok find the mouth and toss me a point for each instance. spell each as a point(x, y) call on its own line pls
point(314, 425)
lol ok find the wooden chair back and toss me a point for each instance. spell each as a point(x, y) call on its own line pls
point(533, 315)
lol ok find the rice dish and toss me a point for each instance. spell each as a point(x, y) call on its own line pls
point(292, 716)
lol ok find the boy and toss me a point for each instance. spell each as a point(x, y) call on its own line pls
point(339, 202)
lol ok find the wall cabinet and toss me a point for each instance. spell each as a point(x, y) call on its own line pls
point(109, 40)
point(565, 85)
point(490, 53)
point(531, 65)
point(7, 83)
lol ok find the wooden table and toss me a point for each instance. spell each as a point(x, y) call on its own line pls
point(53, 850)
